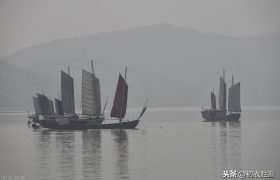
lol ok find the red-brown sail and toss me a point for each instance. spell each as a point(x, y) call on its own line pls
point(120, 100)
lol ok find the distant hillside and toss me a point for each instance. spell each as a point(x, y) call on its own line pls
point(18, 85)
point(173, 66)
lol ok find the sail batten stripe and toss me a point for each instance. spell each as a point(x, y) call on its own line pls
point(234, 98)
point(91, 103)
point(44, 104)
point(67, 93)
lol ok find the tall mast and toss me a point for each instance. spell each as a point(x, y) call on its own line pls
point(92, 70)
point(232, 80)
point(125, 73)
point(68, 70)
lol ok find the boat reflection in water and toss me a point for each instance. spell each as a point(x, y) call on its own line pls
point(91, 151)
point(42, 154)
point(226, 146)
point(121, 150)
point(65, 154)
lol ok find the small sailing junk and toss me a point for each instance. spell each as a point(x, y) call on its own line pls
point(61, 114)
point(234, 108)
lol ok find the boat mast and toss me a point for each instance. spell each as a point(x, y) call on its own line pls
point(92, 70)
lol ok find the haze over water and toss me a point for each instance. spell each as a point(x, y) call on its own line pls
point(172, 144)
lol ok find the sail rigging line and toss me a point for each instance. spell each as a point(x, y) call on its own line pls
point(144, 124)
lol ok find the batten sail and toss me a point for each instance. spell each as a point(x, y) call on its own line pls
point(44, 104)
point(234, 98)
point(67, 93)
point(213, 100)
point(58, 106)
point(91, 103)
point(36, 105)
point(120, 100)
point(51, 106)
point(222, 94)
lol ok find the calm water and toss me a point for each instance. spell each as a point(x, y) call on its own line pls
point(170, 145)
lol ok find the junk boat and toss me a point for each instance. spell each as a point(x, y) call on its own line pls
point(63, 116)
point(222, 114)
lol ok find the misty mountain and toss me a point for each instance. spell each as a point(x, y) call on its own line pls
point(173, 66)
point(19, 85)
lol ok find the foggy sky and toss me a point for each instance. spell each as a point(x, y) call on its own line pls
point(30, 22)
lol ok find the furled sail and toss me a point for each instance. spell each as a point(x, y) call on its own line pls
point(213, 100)
point(36, 105)
point(58, 106)
point(120, 100)
point(91, 103)
point(67, 93)
point(44, 104)
point(234, 98)
point(222, 94)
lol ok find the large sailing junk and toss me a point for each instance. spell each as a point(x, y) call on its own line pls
point(60, 114)
point(233, 112)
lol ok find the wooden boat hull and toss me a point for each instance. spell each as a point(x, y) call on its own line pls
point(53, 122)
point(87, 125)
point(123, 125)
point(216, 116)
